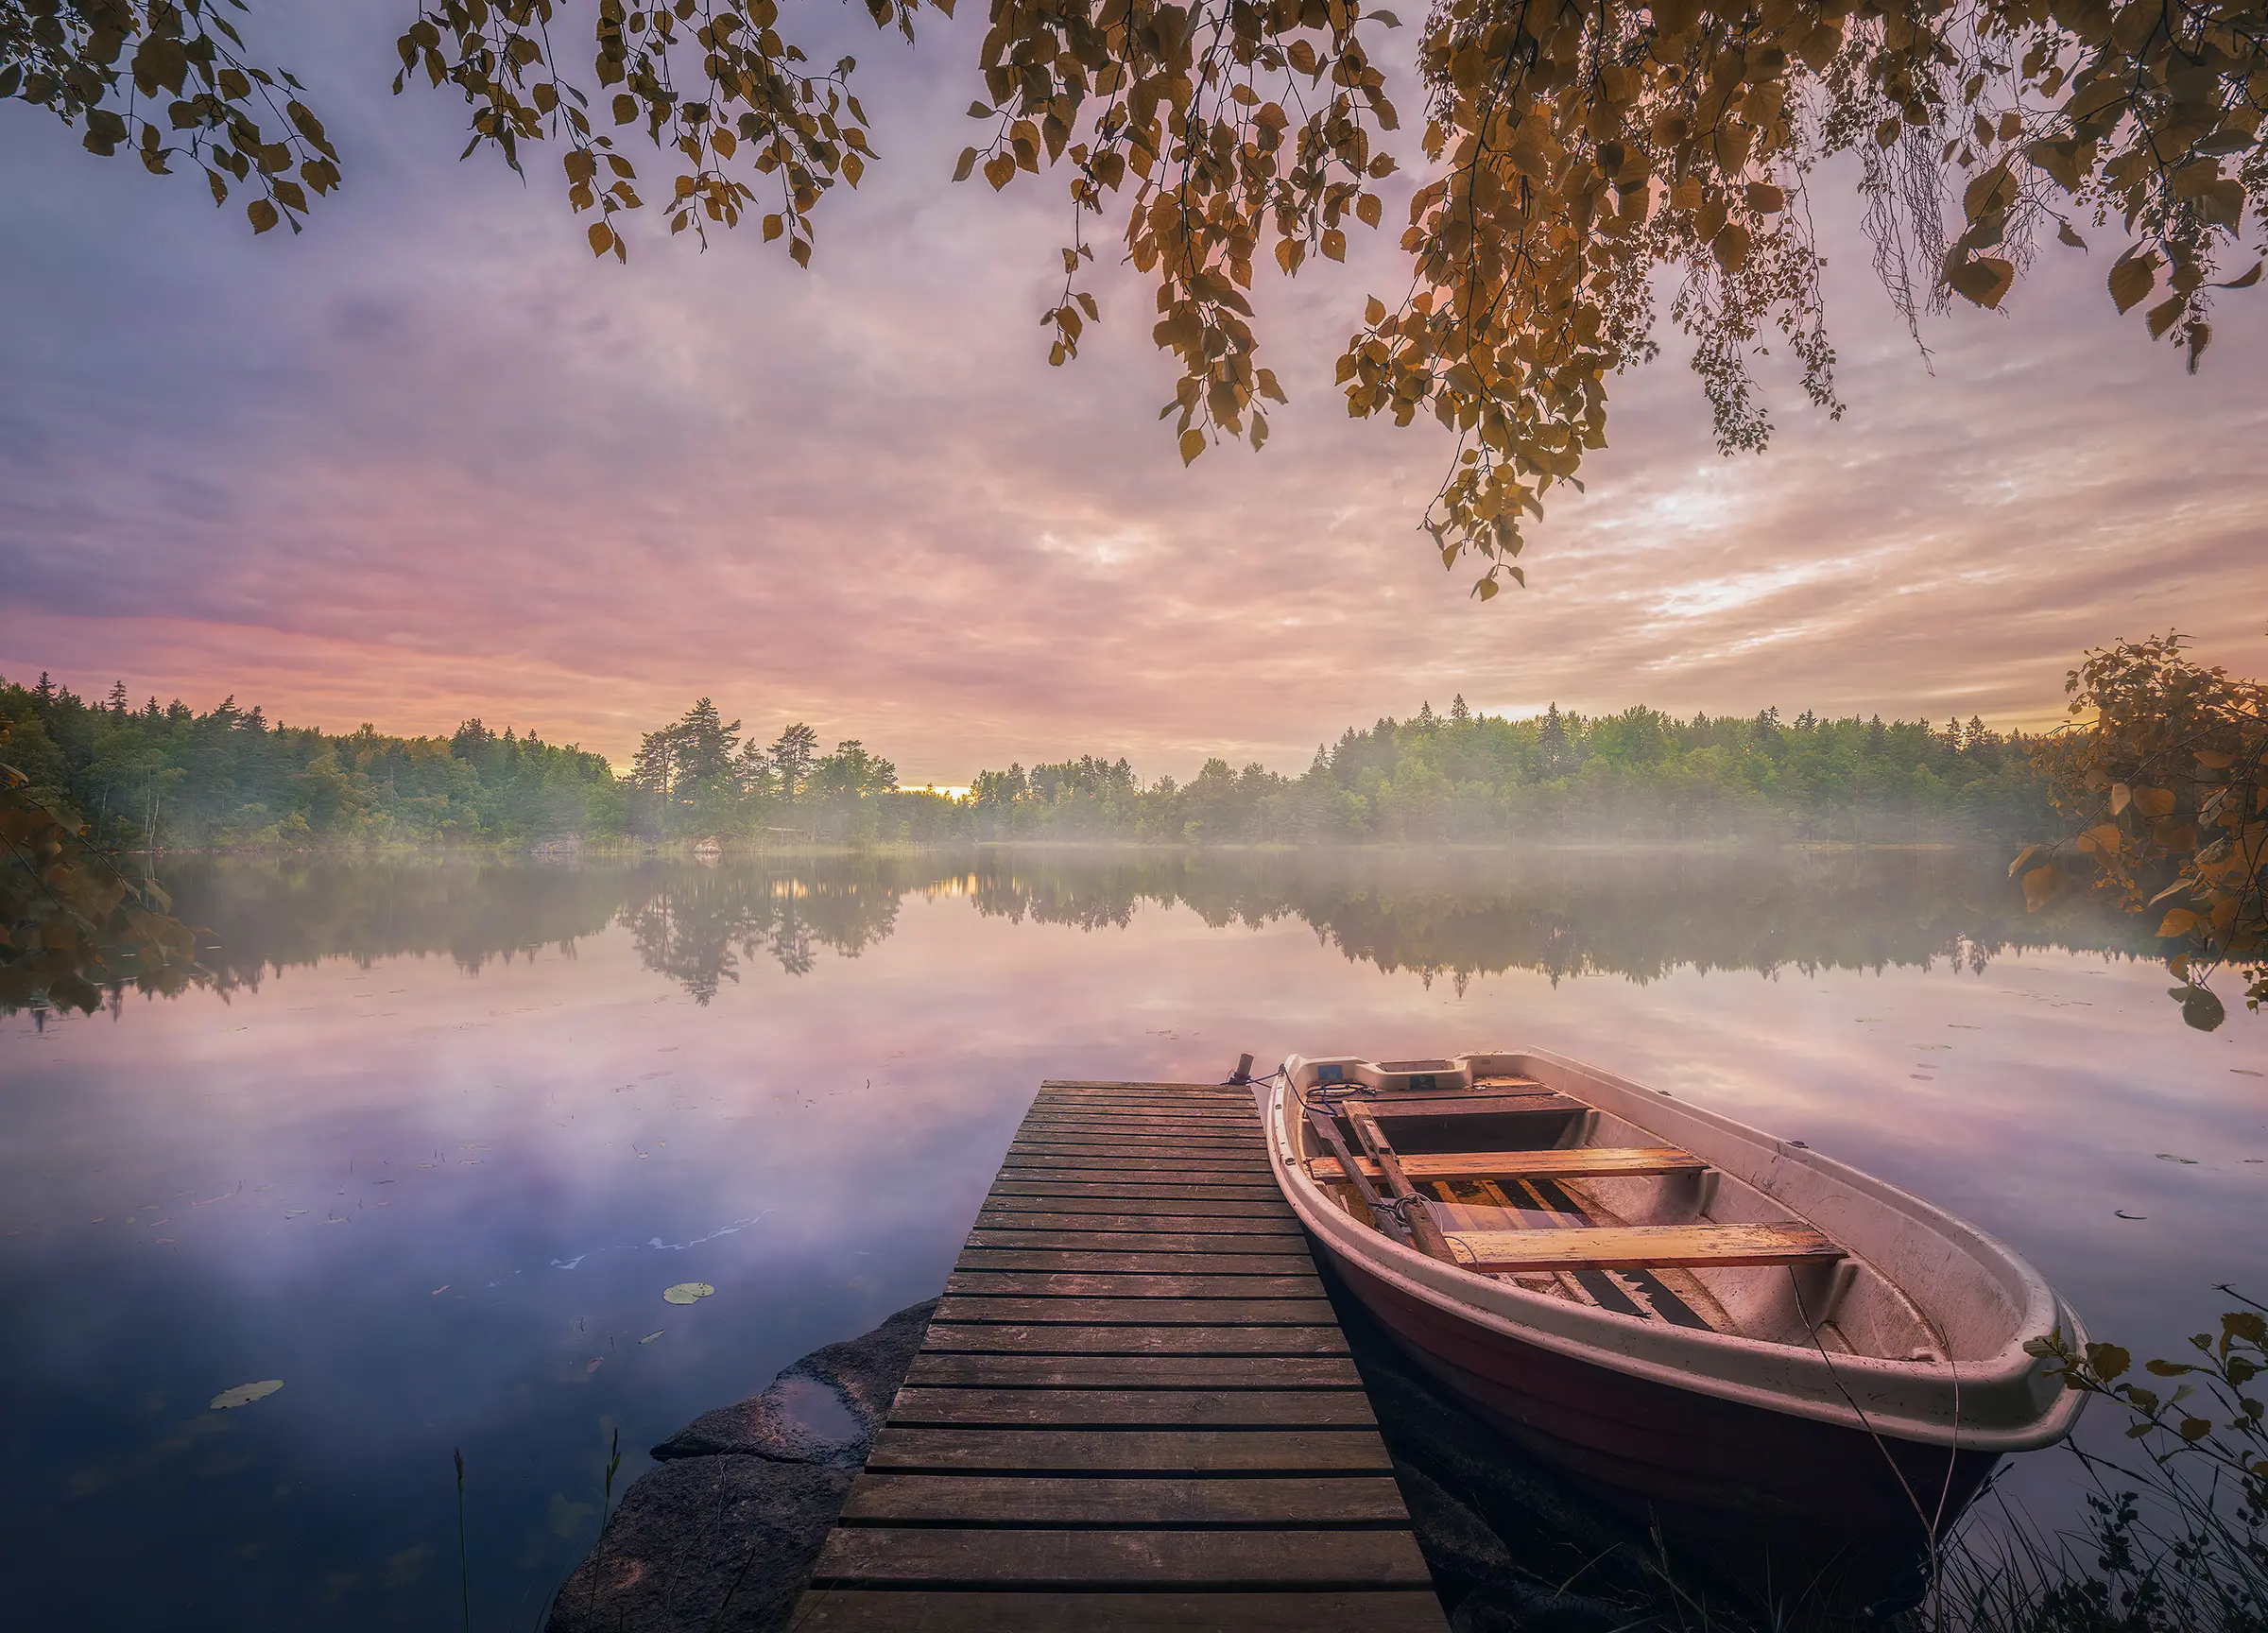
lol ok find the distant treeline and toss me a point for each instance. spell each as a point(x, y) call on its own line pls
point(1469, 778)
point(165, 777)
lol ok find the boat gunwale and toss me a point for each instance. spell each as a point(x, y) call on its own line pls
point(1927, 1402)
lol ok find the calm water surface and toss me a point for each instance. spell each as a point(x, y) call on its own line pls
point(434, 1144)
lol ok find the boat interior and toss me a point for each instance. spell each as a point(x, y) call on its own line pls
point(1498, 1173)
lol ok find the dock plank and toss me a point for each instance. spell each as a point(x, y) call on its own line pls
point(1088, 1284)
point(1053, 1500)
point(1188, 1208)
point(1013, 1338)
point(1133, 1407)
point(1134, 1559)
point(937, 1370)
point(918, 1407)
point(1090, 1259)
point(1218, 1244)
point(856, 1611)
point(1095, 1454)
point(1140, 1312)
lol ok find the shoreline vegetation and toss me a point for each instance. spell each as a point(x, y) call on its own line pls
point(161, 779)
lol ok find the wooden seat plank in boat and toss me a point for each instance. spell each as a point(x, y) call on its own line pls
point(1579, 1162)
point(1639, 1246)
point(1537, 1102)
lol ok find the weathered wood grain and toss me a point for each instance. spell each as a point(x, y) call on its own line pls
point(1077, 1284)
point(1126, 1559)
point(1101, 1452)
point(1621, 1246)
point(1140, 1312)
point(857, 1610)
point(1147, 1263)
point(1132, 1409)
point(1042, 1500)
point(1252, 1238)
point(1050, 1339)
point(933, 1370)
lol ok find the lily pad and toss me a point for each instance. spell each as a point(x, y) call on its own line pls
point(687, 1292)
point(245, 1394)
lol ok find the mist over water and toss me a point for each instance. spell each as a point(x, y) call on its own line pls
point(433, 1144)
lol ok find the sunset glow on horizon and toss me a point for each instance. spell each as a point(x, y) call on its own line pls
point(429, 460)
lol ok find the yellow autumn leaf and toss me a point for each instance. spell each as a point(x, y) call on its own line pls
point(1983, 280)
point(2042, 886)
point(2132, 279)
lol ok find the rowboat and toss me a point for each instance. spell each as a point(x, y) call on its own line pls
point(1726, 1334)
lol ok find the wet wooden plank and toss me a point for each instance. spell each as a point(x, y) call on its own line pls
point(1105, 1215)
point(1102, 1452)
point(1226, 1243)
point(1169, 1148)
point(1048, 1339)
point(1139, 1160)
point(1090, 1169)
point(1132, 1128)
point(935, 1369)
point(1132, 1409)
point(1111, 1284)
point(930, 1557)
point(1140, 1312)
point(1150, 1262)
point(1190, 1207)
point(1628, 1246)
point(1044, 1500)
point(1049, 1083)
point(858, 1610)
point(1107, 1185)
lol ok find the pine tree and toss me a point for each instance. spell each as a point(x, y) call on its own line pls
point(1552, 740)
point(792, 754)
point(1457, 712)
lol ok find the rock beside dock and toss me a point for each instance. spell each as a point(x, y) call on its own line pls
point(723, 1534)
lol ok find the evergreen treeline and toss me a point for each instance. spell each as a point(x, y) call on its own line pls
point(1469, 778)
point(170, 778)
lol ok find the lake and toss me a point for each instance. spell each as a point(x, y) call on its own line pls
point(436, 1137)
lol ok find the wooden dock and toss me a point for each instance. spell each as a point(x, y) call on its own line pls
point(1134, 1408)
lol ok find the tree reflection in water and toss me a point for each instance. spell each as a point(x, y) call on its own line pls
point(1441, 915)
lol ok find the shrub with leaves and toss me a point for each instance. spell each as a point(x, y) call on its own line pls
point(2185, 1547)
point(70, 920)
point(2166, 773)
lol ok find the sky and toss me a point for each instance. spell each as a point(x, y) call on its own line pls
point(429, 460)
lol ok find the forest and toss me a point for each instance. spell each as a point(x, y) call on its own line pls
point(167, 778)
